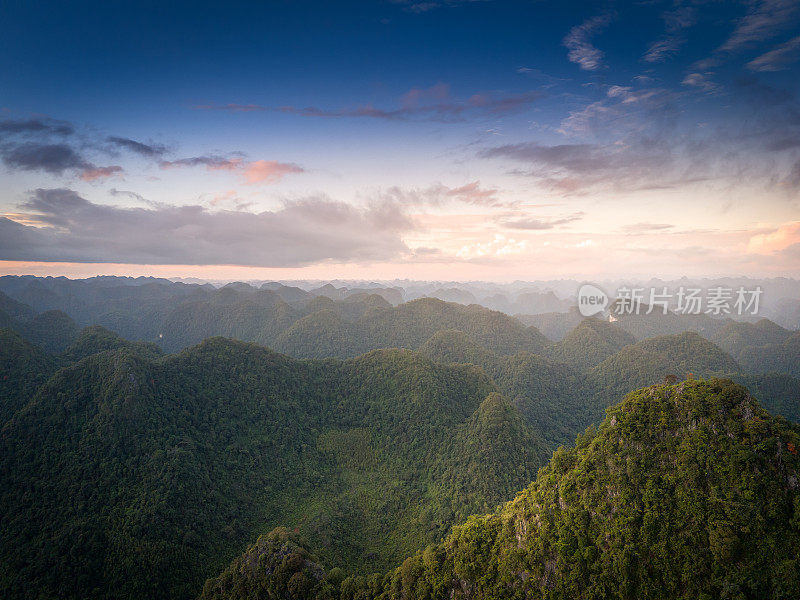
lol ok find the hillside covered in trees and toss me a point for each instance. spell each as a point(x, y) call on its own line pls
point(684, 491)
point(171, 464)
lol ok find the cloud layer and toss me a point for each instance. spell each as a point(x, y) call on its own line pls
point(73, 229)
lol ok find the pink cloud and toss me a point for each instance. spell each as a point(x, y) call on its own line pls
point(472, 193)
point(101, 173)
point(270, 171)
point(257, 171)
point(784, 236)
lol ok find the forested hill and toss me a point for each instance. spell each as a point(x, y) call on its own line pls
point(685, 491)
point(176, 316)
point(129, 475)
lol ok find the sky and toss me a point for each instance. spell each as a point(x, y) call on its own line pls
point(442, 139)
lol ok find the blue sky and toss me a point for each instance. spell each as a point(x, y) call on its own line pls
point(443, 139)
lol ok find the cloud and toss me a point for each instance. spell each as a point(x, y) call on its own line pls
point(258, 171)
point(639, 164)
point(574, 157)
point(777, 59)
point(146, 150)
point(765, 20)
point(34, 156)
point(701, 81)
point(29, 147)
point(531, 224)
point(675, 22)
point(211, 162)
point(101, 173)
point(578, 42)
point(785, 236)
point(414, 6)
point(37, 126)
point(662, 49)
point(268, 171)
point(439, 194)
point(129, 194)
point(73, 229)
point(472, 193)
point(498, 247)
point(646, 227)
point(628, 95)
point(431, 104)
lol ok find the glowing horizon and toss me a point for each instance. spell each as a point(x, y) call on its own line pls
point(570, 142)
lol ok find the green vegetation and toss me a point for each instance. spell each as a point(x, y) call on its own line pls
point(328, 333)
point(23, 368)
point(761, 347)
point(685, 355)
point(127, 473)
point(590, 343)
point(684, 491)
point(130, 475)
point(777, 392)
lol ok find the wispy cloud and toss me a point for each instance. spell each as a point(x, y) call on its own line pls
point(579, 43)
point(765, 20)
point(257, 171)
point(675, 22)
point(701, 81)
point(777, 59)
point(438, 194)
point(211, 162)
point(146, 150)
point(645, 228)
point(538, 224)
point(431, 104)
point(415, 6)
point(639, 164)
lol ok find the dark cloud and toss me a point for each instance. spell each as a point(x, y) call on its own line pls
point(146, 150)
point(129, 194)
point(210, 161)
point(52, 158)
point(28, 146)
point(299, 233)
point(37, 126)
